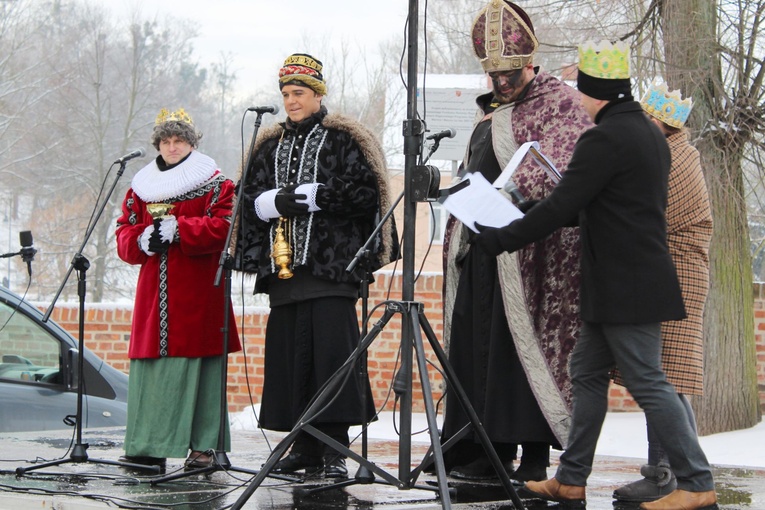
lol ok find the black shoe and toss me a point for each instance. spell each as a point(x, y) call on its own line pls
point(199, 460)
point(145, 461)
point(528, 473)
point(297, 461)
point(334, 466)
point(479, 469)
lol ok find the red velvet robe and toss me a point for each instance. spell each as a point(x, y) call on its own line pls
point(194, 303)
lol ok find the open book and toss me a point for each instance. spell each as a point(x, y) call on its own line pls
point(539, 158)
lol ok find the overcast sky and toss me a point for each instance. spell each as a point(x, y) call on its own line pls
point(261, 33)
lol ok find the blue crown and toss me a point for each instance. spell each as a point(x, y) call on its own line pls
point(668, 107)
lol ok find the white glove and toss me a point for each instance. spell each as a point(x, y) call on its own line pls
point(167, 228)
point(265, 205)
point(309, 190)
point(143, 240)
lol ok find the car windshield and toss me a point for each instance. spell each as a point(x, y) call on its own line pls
point(28, 352)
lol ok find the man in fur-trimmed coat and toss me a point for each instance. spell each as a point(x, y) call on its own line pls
point(325, 176)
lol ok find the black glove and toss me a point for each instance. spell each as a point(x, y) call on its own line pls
point(526, 205)
point(487, 239)
point(481, 228)
point(286, 201)
point(156, 244)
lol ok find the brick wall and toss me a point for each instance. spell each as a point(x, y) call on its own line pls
point(620, 399)
point(759, 335)
point(107, 332)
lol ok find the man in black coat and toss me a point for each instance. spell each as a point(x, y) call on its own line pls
point(616, 189)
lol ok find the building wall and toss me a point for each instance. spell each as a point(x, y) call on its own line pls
point(107, 332)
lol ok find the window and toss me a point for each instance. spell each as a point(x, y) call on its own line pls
point(27, 351)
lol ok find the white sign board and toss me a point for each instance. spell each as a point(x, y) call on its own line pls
point(449, 108)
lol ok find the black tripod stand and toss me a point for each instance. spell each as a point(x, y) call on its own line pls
point(81, 264)
point(221, 461)
point(413, 321)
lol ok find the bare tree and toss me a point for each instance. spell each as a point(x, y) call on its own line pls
point(21, 92)
point(105, 86)
point(446, 41)
point(222, 117)
point(713, 53)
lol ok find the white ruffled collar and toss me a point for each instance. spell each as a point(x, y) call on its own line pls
point(153, 185)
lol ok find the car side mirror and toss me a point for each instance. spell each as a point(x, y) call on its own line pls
point(72, 374)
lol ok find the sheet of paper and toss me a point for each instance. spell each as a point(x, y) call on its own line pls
point(474, 200)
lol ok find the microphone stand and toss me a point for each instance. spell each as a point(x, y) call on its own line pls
point(82, 264)
point(27, 254)
point(221, 461)
point(364, 475)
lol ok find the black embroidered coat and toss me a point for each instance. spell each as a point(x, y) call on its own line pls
point(311, 334)
point(350, 165)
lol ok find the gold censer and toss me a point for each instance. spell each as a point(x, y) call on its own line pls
point(282, 251)
point(159, 211)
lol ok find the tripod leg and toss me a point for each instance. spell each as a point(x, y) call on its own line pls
point(430, 411)
point(462, 397)
point(21, 470)
point(353, 455)
point(429, 458)
point(316, 404)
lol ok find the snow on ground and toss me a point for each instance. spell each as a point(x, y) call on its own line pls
point(623, 435)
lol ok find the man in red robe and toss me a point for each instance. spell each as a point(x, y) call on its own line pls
point(176, 345)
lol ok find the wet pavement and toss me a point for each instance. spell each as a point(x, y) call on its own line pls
point(91, 484)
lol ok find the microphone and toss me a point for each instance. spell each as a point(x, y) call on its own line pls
point(446, 133)
point(271, 108)
point(514, 192)
point(138, 153)
point(27, 250)
point(400, 382)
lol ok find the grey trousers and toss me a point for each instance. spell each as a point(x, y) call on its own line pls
point(656, 454)
point(636, 350)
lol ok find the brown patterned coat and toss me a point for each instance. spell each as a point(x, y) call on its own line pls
point(689, 230)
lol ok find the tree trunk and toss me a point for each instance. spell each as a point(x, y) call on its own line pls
point(730, 400)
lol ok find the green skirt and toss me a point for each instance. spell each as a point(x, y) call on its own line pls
point(174, 407)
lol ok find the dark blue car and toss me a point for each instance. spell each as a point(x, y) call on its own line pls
point(38, 375)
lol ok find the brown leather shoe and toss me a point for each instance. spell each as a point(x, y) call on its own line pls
point(198, 460)
point(684, 500)
point(553, 490)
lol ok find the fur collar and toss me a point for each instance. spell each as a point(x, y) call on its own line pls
point(370, 146)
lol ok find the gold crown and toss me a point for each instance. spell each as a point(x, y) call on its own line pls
point(668, 107)
point(179, 115)
point(605, 60)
